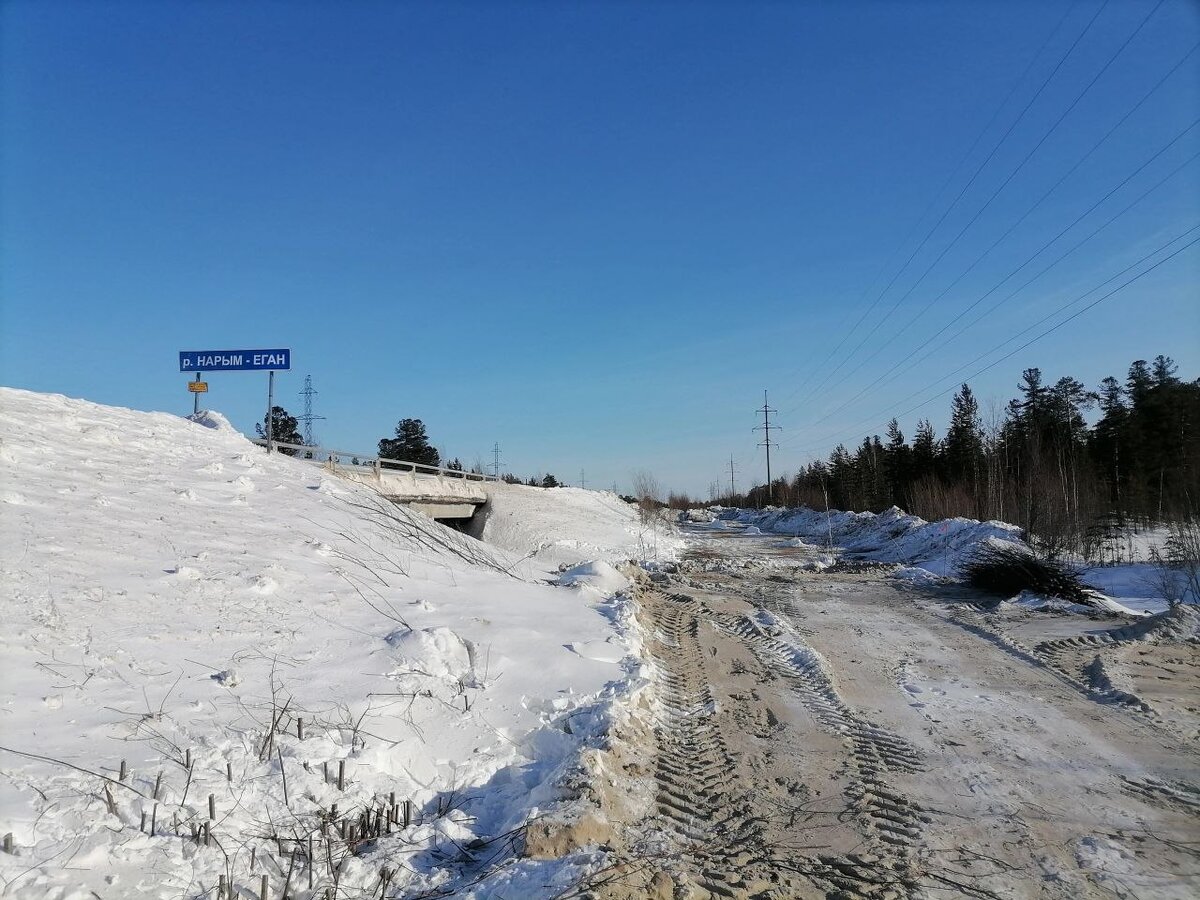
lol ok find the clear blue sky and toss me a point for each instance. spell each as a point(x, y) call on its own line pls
point(592, 232)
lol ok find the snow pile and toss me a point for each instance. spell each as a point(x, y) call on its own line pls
point(598, 576)
point(1177, 624)
point(562, 526)
point(927, 552)
point(892, 536)
point(241, 630)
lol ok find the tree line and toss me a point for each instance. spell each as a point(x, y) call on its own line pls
point(1034, 462)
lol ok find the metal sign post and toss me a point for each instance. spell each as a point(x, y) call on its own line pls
point(236, 361)
point(270, 405)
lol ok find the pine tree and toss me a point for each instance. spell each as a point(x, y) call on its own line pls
point(899, 465)
point(924, 451)
point(963, 447)
point(285, 428)
point(410, 444)
point(1109, 439)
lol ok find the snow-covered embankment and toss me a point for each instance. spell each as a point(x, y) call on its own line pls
point(234, 626)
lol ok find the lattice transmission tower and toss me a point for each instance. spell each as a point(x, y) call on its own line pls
point(308, 418)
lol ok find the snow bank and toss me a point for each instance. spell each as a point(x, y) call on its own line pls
point(170, 592)
point(928, 551)
point(892, 536)
point(560, 527)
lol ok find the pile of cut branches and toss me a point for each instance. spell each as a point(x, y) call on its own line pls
point(1007, 569)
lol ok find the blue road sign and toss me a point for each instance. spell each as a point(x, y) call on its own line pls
point(233, 360)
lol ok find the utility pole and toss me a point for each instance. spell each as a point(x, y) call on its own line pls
point(732, 489)
point(308, 418)
point(766, 428)
point(582, 480)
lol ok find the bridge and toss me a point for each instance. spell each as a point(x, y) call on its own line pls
point(438, 492)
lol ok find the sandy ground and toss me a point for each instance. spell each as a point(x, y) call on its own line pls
point(841, 734)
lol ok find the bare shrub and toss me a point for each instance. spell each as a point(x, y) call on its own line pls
point(648, 495)
point(1177, 565)
point(932, 499)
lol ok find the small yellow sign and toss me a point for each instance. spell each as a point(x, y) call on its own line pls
point(198, 387)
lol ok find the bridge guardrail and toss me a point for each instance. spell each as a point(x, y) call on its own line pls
point(334, 458)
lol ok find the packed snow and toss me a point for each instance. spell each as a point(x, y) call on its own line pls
point(241, 629)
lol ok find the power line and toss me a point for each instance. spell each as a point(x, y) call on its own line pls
point(1095, 146)
point(932, 203)
point(879, 417)
point(1027, 261)
point(1073, 315)
point(1004, 184)
point(964, 189)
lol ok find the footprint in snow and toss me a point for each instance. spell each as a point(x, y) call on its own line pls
point(187, 494)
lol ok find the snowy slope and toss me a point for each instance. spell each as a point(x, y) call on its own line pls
point(564, 525)
point(169, 591)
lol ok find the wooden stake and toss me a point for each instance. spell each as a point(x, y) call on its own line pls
point(8, 847)
point(221, 887)
point(229, 772)
point(325, 771)
point(212, 806)
point(124, 772)
point(153, 819)
point(341, 774)
point(262, 891)
point(407, 813)
point(187, 759)
point(157, 784)
point(299, 729)
point(142, 827)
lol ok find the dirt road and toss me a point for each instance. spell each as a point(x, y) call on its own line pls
point(842, 734)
